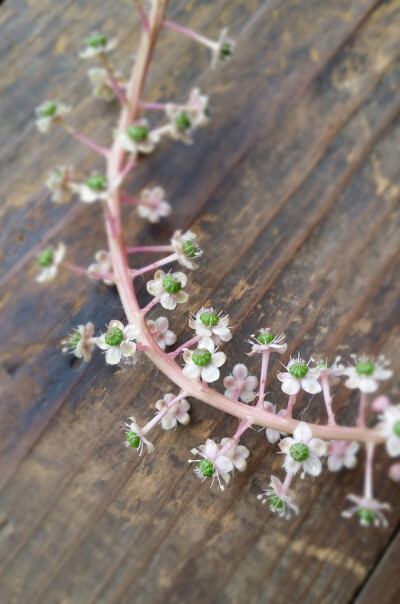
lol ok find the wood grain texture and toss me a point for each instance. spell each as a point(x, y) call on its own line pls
point(294, 193)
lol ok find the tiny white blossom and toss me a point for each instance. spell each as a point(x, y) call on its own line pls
point(186, 248)
point(50, 112)
point(369, 511)
point(203, 362)
point(102, 86)
point(212, 465)
point(342, 454)
point(266, 341)
point(180, 126)
point(389, 428)
point(102, 265)
point(81, 342)
point(97, 44)
point(222, 49)
point(302, 452)
point(300, 375)
point(236, 453)
point(177, 413)
point(198, 108)
point(49, 261)
point(154, 204)
point(209, 324)
point(169, 288)
point(332, 372)
point(94, 189)
point(273, 435)
point(58, 183)
point(137, 138)
point(118, 341)
point(366, 373)
point(240, 384)
point(160, 332)
point(135, 438)
point(282, 503)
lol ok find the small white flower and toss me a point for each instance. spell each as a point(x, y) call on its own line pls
point(81, 342)
point(49, 261)
point(198, 108)
point(300, 375)
point(389, 427)
point(160, 332)
point(50, 112)
point(209, 324)
point(169, 288)
point(222, 49)
point(154, 204)
point(273, 435)
point(366, 373)
point(103, 265)
point(97, 44)
point(342, 454)
point(180, 125)
point(303, 451)
point(236, 453)
point(135, 438)
point(212, 465)
point(279, 502)
point(137, 138)
point(369, 511)
point(185, 247)
point(332, 372)
point(58, 183)
point(102, 87)
point(177, 413)
point(203, 362)
point(118, 341)
point(94, 189)
point(240, 384)
point(264, 341)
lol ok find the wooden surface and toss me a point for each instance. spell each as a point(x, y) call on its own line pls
point(293, 191)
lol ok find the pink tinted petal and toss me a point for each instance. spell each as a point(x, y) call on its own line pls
point(291, 386)
point(246, 396)
point(169, 337)
point(311, 385)
point(269, 407)
point(223, 464)
point(251, 383)
point(161, 324)
point(334, 463)
point(272, 435)
point(210, 449)
point(240, 372)
point(230, 382)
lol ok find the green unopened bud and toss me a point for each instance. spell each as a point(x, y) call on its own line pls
point(226, 50)
point(45, 258)
point(114, 336)
point(396, 428)
point(299, 451)
point(182, 121)
point(276, 502)
point(137, 132)
point(189, 249)
point(97, 40)
point(201, 357)
point(365, 367)
point(265, 337)
point(49, 109)
point(206, 467)
point(299, 370)
point(366, 515)
point(97, 182)
point(209, 319)
point(75, 339)
point(133, 439)
point(171, 284)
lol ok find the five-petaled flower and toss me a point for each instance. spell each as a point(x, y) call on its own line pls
point(302, 452)
point(281, 501)
point(58, 183)
point(389, 427)
point(272, 434)
point(118, 341)
point(341, 454)
point(212, 465)
point(366, 373)
point(135, 438)
point(49, 261)
point(102, 265)
point(160, 332)
point(81, 342)
point(186, 248)
point(177, 413)
point(300, 375)
point(266, 341)
point(50, 112)
point(240, 385)
point(94, 189)
point(209, 324)
point(203, 362)
point(154, 205)
point(369, 511)
point(137, 138)
point(97, 44)
point(168, 288)
point(236, 453)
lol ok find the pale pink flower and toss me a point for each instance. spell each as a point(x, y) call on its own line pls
point(366, 373)
point(58, 183)
point(273, 435)
point(177, 413)
point(81, 342)
point(212, 465)
point(394, 472)
point(118, 341)
point(300, 375)
point(265, 341)
point(389, 428)
point(236, 453)
point(162, 287)
point(282, 503)
point(132, 429)
point(154, 205)
point(160, 332)
point(240, 384)
point(209, 324)
point(302, 452)
point(102, 265)
point(369, 511)
point(198, 108)
point(203, 362)
point(341, 454)
point(379, 404)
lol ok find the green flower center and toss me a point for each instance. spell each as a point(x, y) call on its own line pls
point(276, 502)
point(48, 110)
point(133, 439)
point(182, 121)
point(189, 249)
point(365, 368)
point(299, 370)
point(97, 40)
point(75, 339)
point(226, 50)
point(265, 337)
point(171, 284)
point(201, 357)
point(114, 336)
point(396, 428)
point(97, 182)
point(209, 319)
point(366, 514)
point(299, 451)
point(206, 467)
point(137, 132)
point(45, 258)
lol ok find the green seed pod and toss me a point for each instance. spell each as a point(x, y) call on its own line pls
point(45, 258)
point(137, 132)
point(206, 467)
point(171, 284)
point(226, 51)
point(75, 339)
point(133, 439)
point(299, 370)
point(265, 337)
point(49, 109)
point(209, 319)
point(97, 182)
point(276, 502)
point(201, 357)
point(299, 451)
point(182, 121)
point(114, 336)
point(365, 367)
point(189, 249)
point(97, 40)
point(396, 428)
point(366, 514)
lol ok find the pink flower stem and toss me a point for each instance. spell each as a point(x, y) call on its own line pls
point(243, 426)
point(158, 417)
point(286, 483)
point(130, 164)
point(114, 82)
point(89, 143)
point(263, 376)
point(150, 305)
point(368, 472)
point(150, 248)
point(290, 405)
point(174, 353)
point(154, 265)
point(135, 201)
point(83, 271)
point(189, 33)
point(143, 17)
point(361, 412)
point(154, 106)
point(328, 399)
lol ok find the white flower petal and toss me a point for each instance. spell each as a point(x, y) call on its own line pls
point(128, 349)
point(218, 359)
point(191, 371)
point(113, 355)
point(317, 447)
point(291, 385)
point(286, 443)
point(302, 433)
point(311, 385)
point(312, 465)
point(209, 373)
